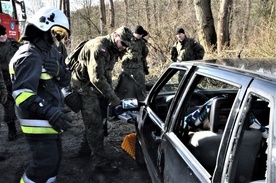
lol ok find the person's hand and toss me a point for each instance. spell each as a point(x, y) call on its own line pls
point(53, 67)
point(3, 98)
point(60, 121)
point(3, 94)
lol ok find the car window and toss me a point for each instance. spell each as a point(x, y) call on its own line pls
point(203, 116)
point(249, 151)
point(165, 93)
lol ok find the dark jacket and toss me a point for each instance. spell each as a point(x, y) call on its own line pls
point(187, 49)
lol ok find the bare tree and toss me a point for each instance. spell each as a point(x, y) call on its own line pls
point(103, 17)
point(207, 34)
point(246, 22)
point(126, 12)
point(112, 14)
point(223, 37)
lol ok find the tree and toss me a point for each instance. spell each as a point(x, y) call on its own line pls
point(103, 17)
point(223, 38)
point(207, 33)
point(112, 14)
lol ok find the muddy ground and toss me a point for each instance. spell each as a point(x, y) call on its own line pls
point(73, 170)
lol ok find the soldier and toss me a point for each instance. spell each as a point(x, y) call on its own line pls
point(94, 66)
point(8, 47)
point(38, 72)
point(3, 99)
point(185, 49)
point(134, 68)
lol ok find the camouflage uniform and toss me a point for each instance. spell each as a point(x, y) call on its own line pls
point(134, 65)
point(95, 64)
point(187, 49)
point(8, 49)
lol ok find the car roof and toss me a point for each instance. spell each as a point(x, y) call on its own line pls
point(256, 67)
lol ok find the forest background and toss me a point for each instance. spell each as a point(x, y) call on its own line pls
point(226, 28)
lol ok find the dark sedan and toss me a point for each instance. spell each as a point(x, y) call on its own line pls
point(210, 121)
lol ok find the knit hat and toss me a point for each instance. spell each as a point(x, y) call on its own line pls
point(139, 30)
point(179, 30)
point(145, 33)
point(2, 30)
point(125, 34)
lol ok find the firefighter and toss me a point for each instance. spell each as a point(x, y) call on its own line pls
point(38, 73)
point(3, 99)
point(8, 47)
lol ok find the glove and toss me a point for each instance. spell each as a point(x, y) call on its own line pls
point(3, 98)
point(59, 120)
point(53, 67)
point(118, 110)
point(3, 93)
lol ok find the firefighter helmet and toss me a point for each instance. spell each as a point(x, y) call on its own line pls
point(47, 17)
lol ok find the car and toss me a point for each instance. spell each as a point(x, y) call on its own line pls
point(210, 121)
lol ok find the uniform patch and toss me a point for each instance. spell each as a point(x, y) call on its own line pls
point(103, 50)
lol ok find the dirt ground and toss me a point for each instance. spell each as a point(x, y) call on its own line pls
point(73, 170)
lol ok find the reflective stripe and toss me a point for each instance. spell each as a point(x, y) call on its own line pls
point(15, 93)
point(11, 70)
point(45, 76)
point(22, 97)
point(36, 126)
point(35, 122)
point(51, 180)
point(38, 130)
point(25, 179)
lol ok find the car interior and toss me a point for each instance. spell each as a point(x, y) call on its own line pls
point(203, 141)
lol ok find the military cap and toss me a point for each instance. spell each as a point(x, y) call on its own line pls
point(125, 34)
point(2, 30)
point(179, 30)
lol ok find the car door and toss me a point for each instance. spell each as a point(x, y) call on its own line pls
point(178, 157)
point(251, 145)
point(152, 121)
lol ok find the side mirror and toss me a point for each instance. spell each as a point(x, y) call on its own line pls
point(130, 103)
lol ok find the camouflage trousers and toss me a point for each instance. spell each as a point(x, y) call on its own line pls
point(93, 110)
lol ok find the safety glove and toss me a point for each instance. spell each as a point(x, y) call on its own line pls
point(53, 67)
point(59, 120)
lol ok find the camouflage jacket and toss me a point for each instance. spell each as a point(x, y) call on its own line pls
point(96, 62)
point(135, 55)
point(186, 50)
point(8, 49)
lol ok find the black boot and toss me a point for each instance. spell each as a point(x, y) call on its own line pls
point(12, 134)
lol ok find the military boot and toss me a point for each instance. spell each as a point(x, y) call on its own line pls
point(12, 134)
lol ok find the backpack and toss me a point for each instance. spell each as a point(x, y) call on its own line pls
point(71, 60)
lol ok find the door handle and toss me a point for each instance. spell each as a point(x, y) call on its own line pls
point(156, 138)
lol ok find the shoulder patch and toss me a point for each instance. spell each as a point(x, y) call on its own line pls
point(103, 50)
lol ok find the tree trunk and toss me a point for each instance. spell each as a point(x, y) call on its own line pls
point(148, 12)
point(246, 22)
point(103, 17)
point(207, 33)
point(223, 37)
point(112, 14)
point(126, 12)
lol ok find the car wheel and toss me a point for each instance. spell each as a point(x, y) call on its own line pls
point(139, 157)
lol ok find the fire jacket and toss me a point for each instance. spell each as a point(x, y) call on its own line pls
point(33, 86)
